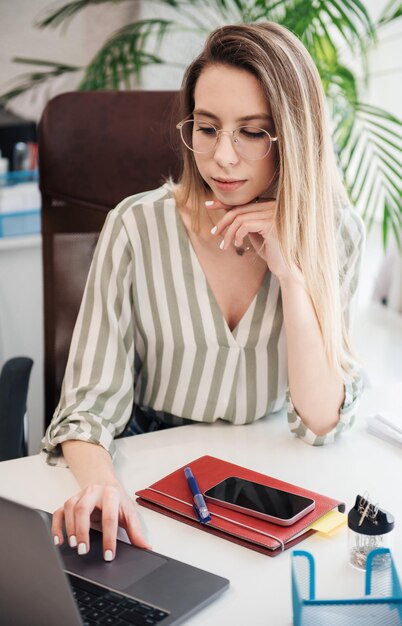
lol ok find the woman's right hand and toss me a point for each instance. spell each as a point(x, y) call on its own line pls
point(109, 504)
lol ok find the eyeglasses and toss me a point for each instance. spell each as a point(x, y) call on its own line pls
point(250, 142)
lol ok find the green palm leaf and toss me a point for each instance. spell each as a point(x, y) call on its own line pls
point(347, 18)
point(392, 11)
point(33, 79)
point(370, 160)
point(125, 54)
point(64, 14)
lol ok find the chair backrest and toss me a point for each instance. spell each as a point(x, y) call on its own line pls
point(95, 148)
point(14, 381)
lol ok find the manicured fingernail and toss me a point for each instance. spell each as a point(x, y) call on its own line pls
point(56, 540)
point(222, 244)
point(213, 230)
point(73, 541)
point(82, 548)
point(108, 556)
point(209, 202)
point(236, 243)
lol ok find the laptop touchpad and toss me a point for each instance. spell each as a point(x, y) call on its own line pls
point(130, 565)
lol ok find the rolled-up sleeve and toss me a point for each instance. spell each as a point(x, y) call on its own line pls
point(350, 242)
point(97, 392)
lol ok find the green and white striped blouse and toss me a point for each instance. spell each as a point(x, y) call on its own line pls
point(150, 332)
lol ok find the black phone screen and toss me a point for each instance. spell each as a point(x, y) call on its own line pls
point(259, 498)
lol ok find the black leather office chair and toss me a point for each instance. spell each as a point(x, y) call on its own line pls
point(14, 381)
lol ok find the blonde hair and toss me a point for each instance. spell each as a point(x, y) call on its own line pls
point(309, 192)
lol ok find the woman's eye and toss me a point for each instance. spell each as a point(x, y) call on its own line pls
point(206, 130)
point(250, 133)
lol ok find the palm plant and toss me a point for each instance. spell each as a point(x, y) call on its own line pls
point(368, 139)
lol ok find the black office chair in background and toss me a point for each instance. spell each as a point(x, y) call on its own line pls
point(95, 148)
point(14, 381)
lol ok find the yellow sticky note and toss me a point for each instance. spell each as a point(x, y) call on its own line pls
point(329, 522)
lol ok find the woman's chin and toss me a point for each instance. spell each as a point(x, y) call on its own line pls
point(234, 199)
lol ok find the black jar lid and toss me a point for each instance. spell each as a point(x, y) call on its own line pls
point(375, 522)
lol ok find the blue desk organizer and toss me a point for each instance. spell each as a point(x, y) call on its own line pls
point(381, 605)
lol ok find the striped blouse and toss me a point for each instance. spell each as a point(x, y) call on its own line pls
point(150, 334)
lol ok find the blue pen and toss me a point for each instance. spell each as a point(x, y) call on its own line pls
point(200, 508)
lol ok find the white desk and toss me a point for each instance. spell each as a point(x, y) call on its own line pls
point(260, 585)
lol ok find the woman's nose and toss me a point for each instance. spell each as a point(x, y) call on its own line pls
point(225, 153)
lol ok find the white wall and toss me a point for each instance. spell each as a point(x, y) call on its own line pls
point(385, 87)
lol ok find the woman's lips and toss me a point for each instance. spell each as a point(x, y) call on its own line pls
point(228, 185)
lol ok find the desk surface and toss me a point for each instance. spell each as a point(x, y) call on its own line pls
point(260, 586)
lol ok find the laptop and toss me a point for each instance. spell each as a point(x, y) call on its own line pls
point(44, 584)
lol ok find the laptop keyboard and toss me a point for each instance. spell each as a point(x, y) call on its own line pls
point(99, 606)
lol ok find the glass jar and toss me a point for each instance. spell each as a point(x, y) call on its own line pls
point(369, 528)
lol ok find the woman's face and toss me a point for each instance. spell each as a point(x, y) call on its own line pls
point(228, 97)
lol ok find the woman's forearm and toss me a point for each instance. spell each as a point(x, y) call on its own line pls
point(90, 463)
point(316, 390)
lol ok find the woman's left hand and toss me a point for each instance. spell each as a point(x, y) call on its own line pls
point(255, 221)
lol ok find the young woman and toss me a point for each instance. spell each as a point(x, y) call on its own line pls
point(214, 297)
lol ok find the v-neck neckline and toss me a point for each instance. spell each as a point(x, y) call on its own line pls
point(217, 311)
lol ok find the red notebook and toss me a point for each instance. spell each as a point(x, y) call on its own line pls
point(171, 496)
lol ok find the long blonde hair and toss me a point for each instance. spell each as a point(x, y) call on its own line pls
point(309, 191)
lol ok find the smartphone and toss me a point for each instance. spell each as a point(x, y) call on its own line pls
point(267, 503)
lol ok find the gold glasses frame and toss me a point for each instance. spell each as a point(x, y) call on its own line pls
point(220, 131)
